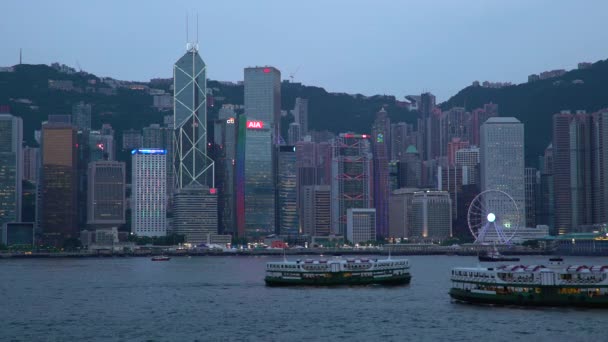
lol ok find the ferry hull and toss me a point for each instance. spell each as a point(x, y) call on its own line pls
point(339, 279)
point(548, 297)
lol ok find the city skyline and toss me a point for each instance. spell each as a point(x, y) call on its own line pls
point(413, 60)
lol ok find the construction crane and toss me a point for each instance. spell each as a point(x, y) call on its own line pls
point(291, 76)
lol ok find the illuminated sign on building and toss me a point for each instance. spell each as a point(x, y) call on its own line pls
point(230, 121)
point(148, 151)
point(266, 70)
point(255, 124)
point(213, 191)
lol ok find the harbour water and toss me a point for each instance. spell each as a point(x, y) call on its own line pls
point(225, 299)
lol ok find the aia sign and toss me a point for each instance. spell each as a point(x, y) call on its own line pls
point(255, 124)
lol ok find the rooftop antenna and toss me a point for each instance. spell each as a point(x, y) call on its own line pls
point(197, 29)
point(187, 39)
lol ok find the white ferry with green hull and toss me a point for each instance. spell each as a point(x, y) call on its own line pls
point(533, 285)
point(338, 271)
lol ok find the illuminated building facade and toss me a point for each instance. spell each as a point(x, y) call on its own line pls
point(287, 213)
point(11, 164)
point(148, 192)
point(106, 193)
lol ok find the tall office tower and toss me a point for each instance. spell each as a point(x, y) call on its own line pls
point(11, 164)
point(400, 206)
point(106, 204)
point(581, 181)
point(561, 172)
point(315, 219)
point(59, 182)
point(100, 146)
point(502, 159)
point(600, 158)
point(433, 137)
point(313, 163)
point(431, 216)
point(545, 212)
point(263, 97)
point(451, 179)
point(106, 129)
point(381, 153)
point(454, 127)
point(159, 137)
point(81, 114)
point(531, 186)
point(254, 179)
point(478, 117)
point(361, 225)
point(410, 169)
point(195, 213)
point(454, 145)
point(224, 136)
point(469, 157)
point(351, 185)
point(294, 134)
point(31, 164)
point(425, 124)
point(287, 210)
point(192, 165)
point(401, 134)
point(131, 139)
point(148, 193)
point(300, 114)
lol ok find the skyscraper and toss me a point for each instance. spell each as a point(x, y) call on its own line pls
point(194, 169)
point(381, 153)
point(502, 159)
point(351, 185)
point(531, 187)
point(287, 213)
point(431, 216)
point(263, 97)
point(31, 164)
point(106, 193)
point(59, 178)
point(81, 114)
point(300, 114)
point(600, 158)
point(148, 193)
point(361, 225)
point(11, 164)
point(254, 179)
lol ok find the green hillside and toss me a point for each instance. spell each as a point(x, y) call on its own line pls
point(535, 103)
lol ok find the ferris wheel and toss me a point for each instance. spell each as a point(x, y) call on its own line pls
point(493, 217)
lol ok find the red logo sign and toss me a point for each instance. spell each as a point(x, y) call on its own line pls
point(255, 124)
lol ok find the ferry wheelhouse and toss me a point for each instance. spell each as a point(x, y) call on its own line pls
point(532, 285)
point(338, 271)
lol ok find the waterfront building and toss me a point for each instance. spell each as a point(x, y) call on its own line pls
point(148, 192)
point(531, 179)
point(263, 97)
point(315, 212)
point(254, 179)
point(81, 113)
point(361, 225)
point(431, 218)
point(17, 233)
point(195, 213)
point(287, 211)
point(11, 165)
point(400, 212)
point(351, 185)
point(380, 153)
point(502, 159)
point(31, 164)
point(59, 181)
point(106, 204)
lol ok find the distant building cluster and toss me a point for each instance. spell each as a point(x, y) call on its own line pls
point(241, 177)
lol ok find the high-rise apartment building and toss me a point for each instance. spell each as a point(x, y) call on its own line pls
point(148, 192)
point(502, 159)
point(81, 114)
point(59, 182)
point(352, 181)
point(106, 204)
point(11, 164)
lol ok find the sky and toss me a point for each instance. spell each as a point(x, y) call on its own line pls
point(393, 47)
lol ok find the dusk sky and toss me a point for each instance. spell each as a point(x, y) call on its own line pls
point(367, 47)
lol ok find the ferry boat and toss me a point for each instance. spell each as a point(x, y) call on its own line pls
point(338, 271)
point(495, 256)
point(161, 258)
point(532, 285)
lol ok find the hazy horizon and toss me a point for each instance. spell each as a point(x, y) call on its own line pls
point(393, 48)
